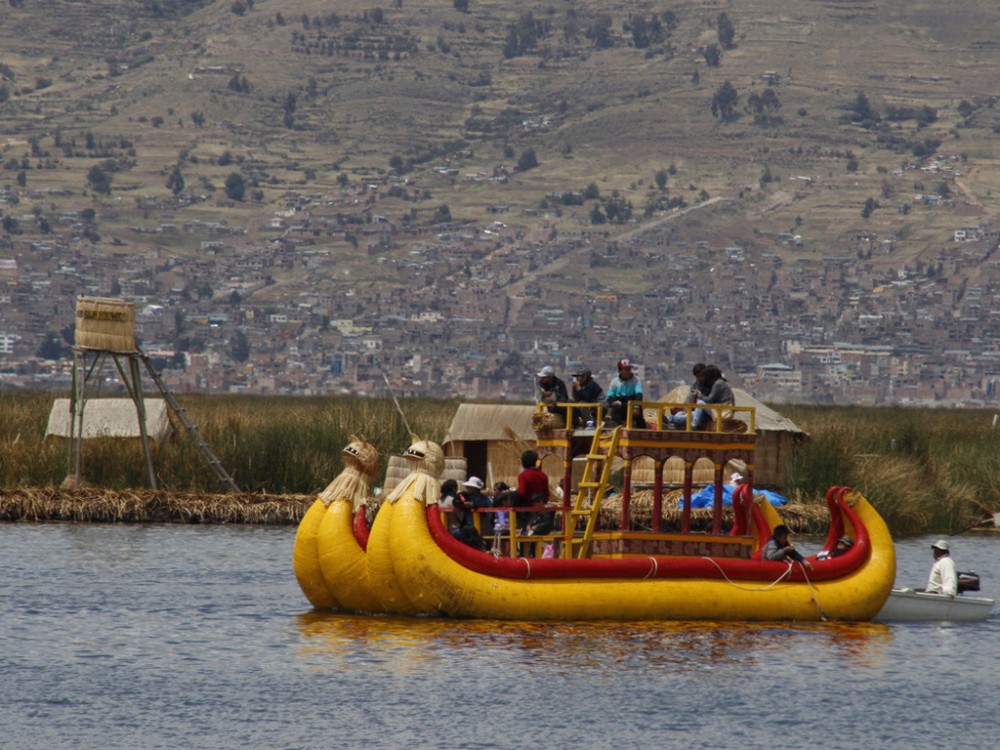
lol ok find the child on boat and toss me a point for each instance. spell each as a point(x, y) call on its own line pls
point(780, 548)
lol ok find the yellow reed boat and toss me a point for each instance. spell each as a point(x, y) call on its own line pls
point(594, 570)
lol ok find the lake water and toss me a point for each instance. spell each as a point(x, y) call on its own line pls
point(198, 637)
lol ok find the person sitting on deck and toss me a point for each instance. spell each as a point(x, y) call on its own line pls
point(501, 522)
point(781, 549)
point(452, 502)
point(502, 499)
point(552, 390)
point(532, 482)
point(696, 386)
point(624, 388)
point(586, 390)
point(943, 579)
point(843, 545)
point(475, 499)
point(532, 489)
point(714, 389)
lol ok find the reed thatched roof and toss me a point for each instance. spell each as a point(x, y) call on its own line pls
point(491, 422)
point(111, 418)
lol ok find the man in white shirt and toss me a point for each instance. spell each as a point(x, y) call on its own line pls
point(943, 579)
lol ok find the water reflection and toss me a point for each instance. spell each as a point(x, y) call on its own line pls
point(163, 637)
point(565, 647)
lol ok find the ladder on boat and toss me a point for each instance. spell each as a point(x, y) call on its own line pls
point(592, 486)
point(191, 427)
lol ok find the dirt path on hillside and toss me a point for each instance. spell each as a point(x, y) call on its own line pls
point(966, 191)
point(516, 290)
point(778, 199)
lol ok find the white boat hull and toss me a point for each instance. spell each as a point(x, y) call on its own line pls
point(907, 604)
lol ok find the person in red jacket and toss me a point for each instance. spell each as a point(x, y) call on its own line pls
point(532, 482)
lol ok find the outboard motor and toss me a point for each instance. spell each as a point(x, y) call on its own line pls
point(967, 581)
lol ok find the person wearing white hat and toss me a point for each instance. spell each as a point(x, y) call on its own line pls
point(943, 579)
point(552, 390)
point(474, 498)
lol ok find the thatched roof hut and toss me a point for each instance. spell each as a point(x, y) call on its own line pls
point(491, 438)
point(111, 418)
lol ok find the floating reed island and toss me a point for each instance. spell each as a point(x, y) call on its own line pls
point(98, 505)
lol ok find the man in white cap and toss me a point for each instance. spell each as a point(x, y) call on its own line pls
point(943, 579)
point(552, 390)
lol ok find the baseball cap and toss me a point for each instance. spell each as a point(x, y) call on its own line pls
point(546, 372)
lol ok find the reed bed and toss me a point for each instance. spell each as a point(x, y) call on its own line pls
point(96, 505)
point(276, 445)
point(923, 469)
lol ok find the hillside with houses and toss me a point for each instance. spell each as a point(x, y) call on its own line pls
point(452, 195)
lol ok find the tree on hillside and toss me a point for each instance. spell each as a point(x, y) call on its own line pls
point(725, 31)
point(10, 225)
point(522, 35)
point(599, 32)
point(724, 102)
point(288, 106)
point(764, 107)
point(645, 32)
point(442, 214)
point(527, 160)
point(617, 208)
point(462, 6)
point(175, 183)
point(52, 347)
point(712, 55)
point(861, 112)
point(236, 186)
point(99, 180)
point(660, 178)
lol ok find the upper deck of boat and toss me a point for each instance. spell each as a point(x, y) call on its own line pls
point(731, 435)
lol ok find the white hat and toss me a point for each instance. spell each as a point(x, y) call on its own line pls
point(941, 544)
point(473, 482)
point(736, 478)
point(546, 371)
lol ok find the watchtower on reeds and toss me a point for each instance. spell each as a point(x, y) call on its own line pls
point(105, 329)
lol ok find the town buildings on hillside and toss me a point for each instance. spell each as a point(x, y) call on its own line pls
point(474, 311)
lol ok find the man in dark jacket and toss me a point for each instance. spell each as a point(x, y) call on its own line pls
point(780, 548)
point(585, 391)
point(552, 390)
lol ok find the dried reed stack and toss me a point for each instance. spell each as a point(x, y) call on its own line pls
point(798, 517)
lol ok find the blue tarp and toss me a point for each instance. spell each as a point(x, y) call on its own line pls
point(706, 497)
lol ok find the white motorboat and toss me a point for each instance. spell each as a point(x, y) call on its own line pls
point(909, 604)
